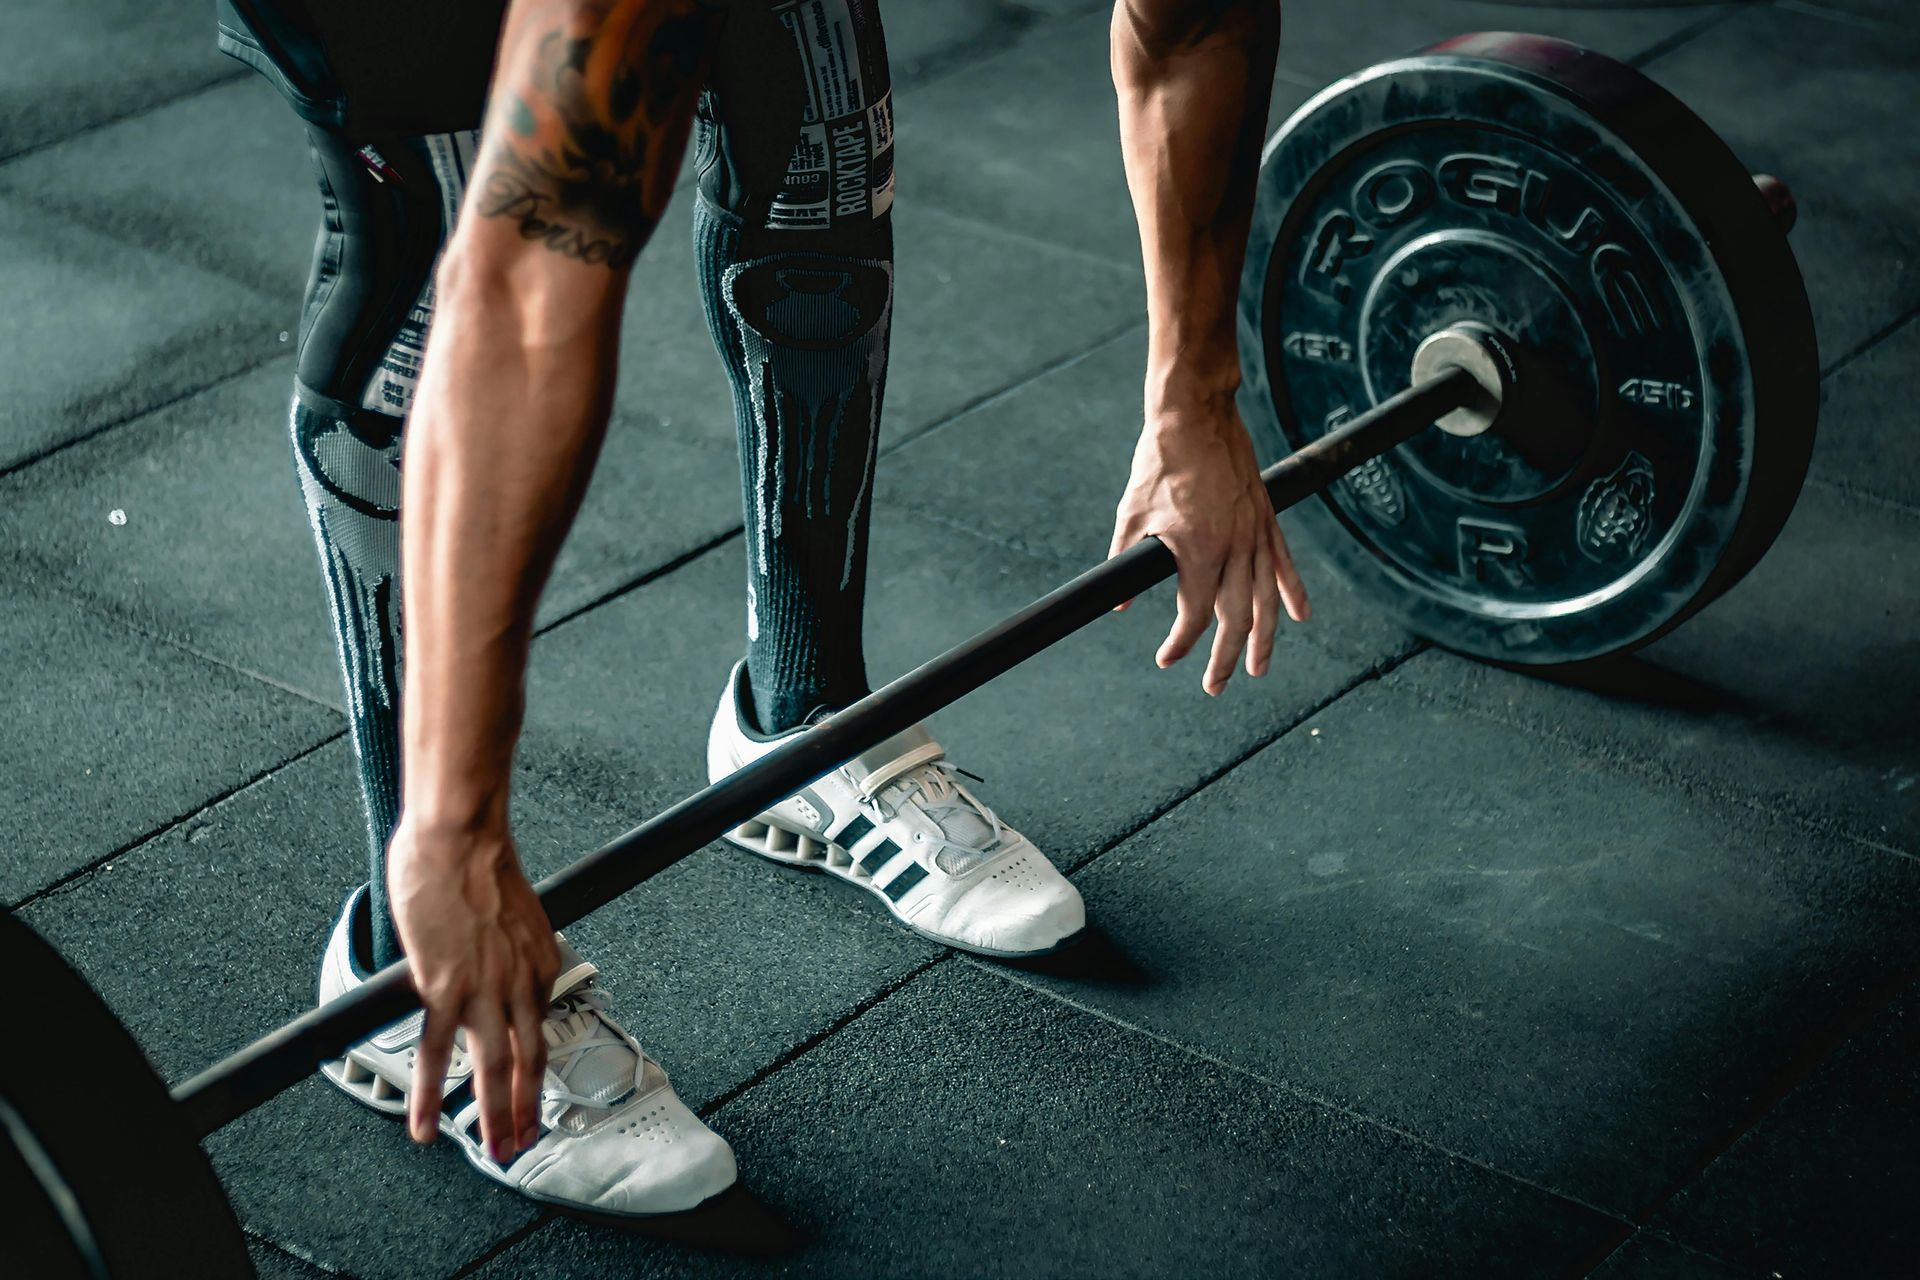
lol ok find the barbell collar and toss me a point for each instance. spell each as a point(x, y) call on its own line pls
point(237, 1084)
point(1478, 350)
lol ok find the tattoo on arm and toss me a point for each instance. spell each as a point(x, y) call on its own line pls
point(592, 101)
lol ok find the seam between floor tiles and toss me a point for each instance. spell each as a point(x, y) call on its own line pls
point(1051, 366)
point(516, 1236)
point(1661, 48)
point(1130, 267)
point(94, 433)
point(1374, 673)
point(966, 530)
point(268, 1242)
point(81, 215)
point(138, 843)
point(1834, 15)
point(1868, 343)
point(860, 1009)
point(1800, 1065)
point(1806, 1057)
point(1847, 489)
point(1668, 1240)
point(104, 613)
point(654, 574)
point(1013, 24)
point(1297, 1092)
point(145, 108)
point(1811, 821)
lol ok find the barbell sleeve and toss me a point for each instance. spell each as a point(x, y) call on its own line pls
point(242, 1081)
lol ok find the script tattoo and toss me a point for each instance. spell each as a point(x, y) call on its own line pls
point(591, 109)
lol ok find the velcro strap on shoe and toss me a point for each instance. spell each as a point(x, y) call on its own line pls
point(574, 971)
point(904, 752)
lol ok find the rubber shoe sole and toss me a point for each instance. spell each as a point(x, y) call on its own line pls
point(805, 852)
point(368, 1087)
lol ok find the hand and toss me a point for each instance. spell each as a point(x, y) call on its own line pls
point(1196, 486)
point(483, 958)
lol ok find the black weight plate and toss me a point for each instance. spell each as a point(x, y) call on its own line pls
point(1668, 382)
point(115, 1184)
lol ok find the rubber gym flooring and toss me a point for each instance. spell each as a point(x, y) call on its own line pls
point(1404, 965)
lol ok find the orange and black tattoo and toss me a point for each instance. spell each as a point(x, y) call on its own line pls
point(592, 103)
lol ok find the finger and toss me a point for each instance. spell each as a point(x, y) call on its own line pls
point(430, 1076)
point(490, 1046)
point(1287, 577)
point(1196, 586)
point(1234, 608)
point(546, 962)
point(529, 1060)
point(1266, 610)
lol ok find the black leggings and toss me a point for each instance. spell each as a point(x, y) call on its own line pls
point(794, 246)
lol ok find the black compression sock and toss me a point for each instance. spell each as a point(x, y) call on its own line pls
point(349, 469)
point(803, 338)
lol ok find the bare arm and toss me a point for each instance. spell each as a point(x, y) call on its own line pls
point(591, 104)
point(1193, 78)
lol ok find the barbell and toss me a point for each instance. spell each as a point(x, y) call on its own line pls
point(1542, 370)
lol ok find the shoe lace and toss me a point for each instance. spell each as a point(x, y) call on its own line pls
point(943, 797)
point(579, 1026)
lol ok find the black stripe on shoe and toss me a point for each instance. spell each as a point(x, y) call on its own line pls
point(456, 1101)
point(878, 856)
point(854, 832)
point(457, 1098)
point(896, 888)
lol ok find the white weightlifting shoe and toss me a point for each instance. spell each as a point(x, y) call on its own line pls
point(615, 1141)
point(897, 821)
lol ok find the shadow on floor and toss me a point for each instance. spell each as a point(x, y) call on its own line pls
point(1095, 960)
point(736, 1223)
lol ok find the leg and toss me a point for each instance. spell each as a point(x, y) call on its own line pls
point(794, 241)
point(795, 259)
point(387, 202)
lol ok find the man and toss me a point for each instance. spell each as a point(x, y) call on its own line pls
point(588, 110)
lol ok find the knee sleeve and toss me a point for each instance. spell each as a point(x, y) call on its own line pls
point(387, 206)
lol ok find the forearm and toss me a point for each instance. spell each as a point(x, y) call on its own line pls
point(499, 450)
point(1193, 78)
point(591, 105)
